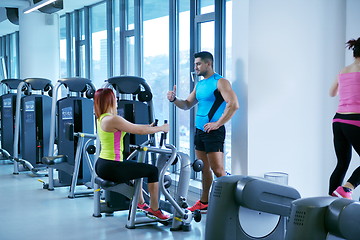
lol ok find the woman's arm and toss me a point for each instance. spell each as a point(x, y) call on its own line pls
point(116, 123)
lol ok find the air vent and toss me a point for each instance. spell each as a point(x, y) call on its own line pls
point(217, 191)
point(299, 218)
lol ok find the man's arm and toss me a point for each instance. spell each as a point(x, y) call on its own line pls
point(232, 104)
point(183, 104)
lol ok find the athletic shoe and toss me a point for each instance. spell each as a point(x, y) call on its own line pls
point(199, 206)
point(342, 193)
point(158, 214)
point(143, 207)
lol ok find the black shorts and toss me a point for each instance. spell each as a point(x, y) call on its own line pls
point(212, 141)
point(124, 171)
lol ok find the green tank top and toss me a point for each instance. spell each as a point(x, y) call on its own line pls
point(112, 143)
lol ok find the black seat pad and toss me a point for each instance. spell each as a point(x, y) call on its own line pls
point(105, 183)
point(53, 160)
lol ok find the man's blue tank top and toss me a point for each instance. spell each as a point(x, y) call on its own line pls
point(211, 104)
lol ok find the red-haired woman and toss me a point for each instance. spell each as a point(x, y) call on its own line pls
point(346, 124)
point(110, 165)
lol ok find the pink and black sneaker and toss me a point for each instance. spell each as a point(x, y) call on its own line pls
point(342, 192)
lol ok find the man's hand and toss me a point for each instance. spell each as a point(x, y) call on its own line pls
point(171, 95)
point(211, 126)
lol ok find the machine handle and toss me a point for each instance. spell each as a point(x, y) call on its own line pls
point(163, 136)
point(152, 136)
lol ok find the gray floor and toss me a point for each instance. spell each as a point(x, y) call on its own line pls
point(27, 211)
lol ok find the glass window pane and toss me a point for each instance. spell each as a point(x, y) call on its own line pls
point(183, 82)
point(156, 54)
point(63, 47)
point(130, 14)
point(207, 36)
point(82, 24)
point(116, 33)
point(130, 55)
point(99, 45)
point(82, 61)
point(82, 70)
point(14, 68)
point(228, 76)
point(73, 46)
point(207, 6)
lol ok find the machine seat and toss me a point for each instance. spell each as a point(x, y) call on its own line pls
point(54, 160)
point(107, 184)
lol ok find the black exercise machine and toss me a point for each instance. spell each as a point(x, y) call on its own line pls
point(7, 115)
point(138, 109)
point(32, 117)
point(75, 112)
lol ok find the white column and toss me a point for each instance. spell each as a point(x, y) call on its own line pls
point(39, 45)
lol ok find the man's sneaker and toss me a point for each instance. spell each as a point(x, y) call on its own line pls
point(158, 214)
point(342, 193)
point(199, 206)
point(143, 207)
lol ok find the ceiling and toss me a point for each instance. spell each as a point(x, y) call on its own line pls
point(7, 27)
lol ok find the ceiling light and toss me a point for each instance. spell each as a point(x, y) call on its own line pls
point(38, 5)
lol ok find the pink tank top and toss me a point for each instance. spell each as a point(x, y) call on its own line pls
point(349, 92)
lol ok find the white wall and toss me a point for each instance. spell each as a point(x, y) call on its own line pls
point(292, 52)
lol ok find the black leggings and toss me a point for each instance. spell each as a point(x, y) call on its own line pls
point(124, 171)
point(346, 136)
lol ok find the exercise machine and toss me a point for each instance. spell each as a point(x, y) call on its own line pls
point(134, 103)
point(84, 150)
point(32, 116)
point(248, 208)
point(181, 216)
point(324, 218)
point(74, 111)
point(138, 109)
point(7, 115)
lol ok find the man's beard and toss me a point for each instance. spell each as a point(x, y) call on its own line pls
point(201, 74)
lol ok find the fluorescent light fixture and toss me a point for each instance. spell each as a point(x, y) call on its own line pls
point(38, 5)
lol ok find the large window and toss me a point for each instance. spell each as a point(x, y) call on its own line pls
point(82, 43)
point(228, 76)
point(99, 59)
point(156, 54)
point(156, 41)
point(184, 76)
point(13, 56)
point(9, 53)
point(116, 39)
point(63, 47)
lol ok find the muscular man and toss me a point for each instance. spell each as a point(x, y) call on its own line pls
point(217, 103)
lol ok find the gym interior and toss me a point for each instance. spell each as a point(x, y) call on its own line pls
point(280, 57)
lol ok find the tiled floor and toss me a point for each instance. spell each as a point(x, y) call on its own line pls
point(27, 211)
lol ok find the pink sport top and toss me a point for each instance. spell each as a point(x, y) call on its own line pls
point(349, 92)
